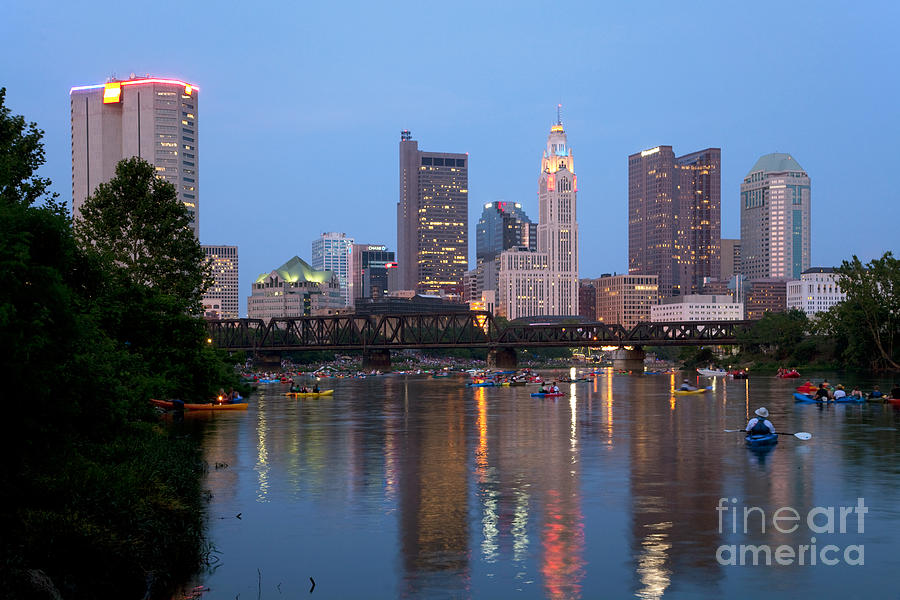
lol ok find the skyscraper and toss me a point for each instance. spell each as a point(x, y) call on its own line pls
point(369, 271)
point(731, 258)
point(224, 289)
point(674, 217)
point(545, 282)
point(775, 219)
point(331, 252)
point(154, 119)
point(432, 218)
point(503, 225)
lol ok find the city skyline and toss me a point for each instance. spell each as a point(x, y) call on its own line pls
point(607, 102)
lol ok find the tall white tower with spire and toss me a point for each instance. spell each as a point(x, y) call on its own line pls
point(557, 226)
point(545, 282)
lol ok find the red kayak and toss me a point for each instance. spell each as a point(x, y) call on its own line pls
point(789, 375)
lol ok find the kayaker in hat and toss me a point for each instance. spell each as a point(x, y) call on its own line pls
point(686, 386)
point(760, 424)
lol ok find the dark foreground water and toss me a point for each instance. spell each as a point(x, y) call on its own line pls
point(412, 487)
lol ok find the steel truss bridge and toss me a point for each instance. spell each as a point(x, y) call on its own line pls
point(455, 330)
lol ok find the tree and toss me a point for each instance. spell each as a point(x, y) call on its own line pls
point(137, 221)
point(21, 156)
point(867, 322)
point(777, 332)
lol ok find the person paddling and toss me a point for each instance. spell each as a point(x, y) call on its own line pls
point(686, 386)
point(760, 425)
point(822, 393)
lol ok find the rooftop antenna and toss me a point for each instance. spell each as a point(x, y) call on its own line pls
point(559, 114)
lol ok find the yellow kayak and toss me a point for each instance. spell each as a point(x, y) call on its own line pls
point(699, 391)
point(309, 394)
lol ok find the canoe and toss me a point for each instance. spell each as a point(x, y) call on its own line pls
point(309, 394)
point(543, 395)
point(806, 398)
point(699, 391)
point(169, 405)
point(767, 439)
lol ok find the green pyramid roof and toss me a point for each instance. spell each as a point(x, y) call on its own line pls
point(776, 162)
point(296, 270)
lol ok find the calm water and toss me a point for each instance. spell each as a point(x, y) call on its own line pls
point(412, 487)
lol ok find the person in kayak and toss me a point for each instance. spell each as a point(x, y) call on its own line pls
point(686, 386)
point(316, 388)
point(760, 424)
point(822, 393)
point(839, 392)
point(895, 392)
point(876, 393)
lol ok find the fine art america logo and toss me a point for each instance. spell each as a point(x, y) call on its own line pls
point(753, 520)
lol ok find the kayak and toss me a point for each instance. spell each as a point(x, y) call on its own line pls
point(767, 439)
point(169, 405)
point(789, 375)
point(698, 391)
point(548, 395)
point(308, 394)
point(798, 397)
point(483, 384)
point(270, 381)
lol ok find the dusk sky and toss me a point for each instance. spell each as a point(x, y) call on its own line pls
point(301, 105)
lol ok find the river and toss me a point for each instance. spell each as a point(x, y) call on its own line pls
point(413, 487)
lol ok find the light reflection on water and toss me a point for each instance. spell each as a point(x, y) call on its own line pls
point(422, 488)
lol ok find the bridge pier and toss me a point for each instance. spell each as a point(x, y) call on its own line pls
point(502, 358)
point(376, 359)
point(629, 360)
point(267, 360)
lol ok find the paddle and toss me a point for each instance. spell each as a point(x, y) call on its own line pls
point(800, 435)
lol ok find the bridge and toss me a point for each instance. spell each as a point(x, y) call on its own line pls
point(377, 335)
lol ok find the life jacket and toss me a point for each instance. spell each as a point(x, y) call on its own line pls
point(759, 428)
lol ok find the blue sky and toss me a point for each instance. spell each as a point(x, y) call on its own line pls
point(301, 105)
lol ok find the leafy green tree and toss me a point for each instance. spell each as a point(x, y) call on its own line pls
point(777, 333)
point(22, 155)
point(867, 323)
point(137, 221)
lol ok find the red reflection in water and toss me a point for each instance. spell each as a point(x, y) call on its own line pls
point(563, 543)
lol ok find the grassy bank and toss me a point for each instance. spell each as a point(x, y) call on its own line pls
point(108, 520)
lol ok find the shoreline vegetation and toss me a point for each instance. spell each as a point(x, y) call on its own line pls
point(99, 500)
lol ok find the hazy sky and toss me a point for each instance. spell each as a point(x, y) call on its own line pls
point(301, 105)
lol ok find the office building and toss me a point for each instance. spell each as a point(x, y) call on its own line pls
point(816, 291)
point(587, 300)
point(759, 296)
point(545, 282)
point(432, 218)
point(331, 252)
point(674, 217)
point(224, 289)
point(775, 219)
point(294, 289)
point(626, 299)
point(151, 118)
point(697, 307)
point(503, 225)
point(368, 271)
point(731, 259)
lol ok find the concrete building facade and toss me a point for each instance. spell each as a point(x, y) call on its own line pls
point(626, 299)
point(674, 217)
point(697, 307)
point(432, 218)
point(151, 118)
point(294, 289)
point(759, 296)
point(224, 289)
point(731, 259)
point(816, 291)
point(775, 219)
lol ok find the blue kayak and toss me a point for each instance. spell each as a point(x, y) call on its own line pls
point(547, 394)
point(798, 397)
point(483, 384)
point(767, 439)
